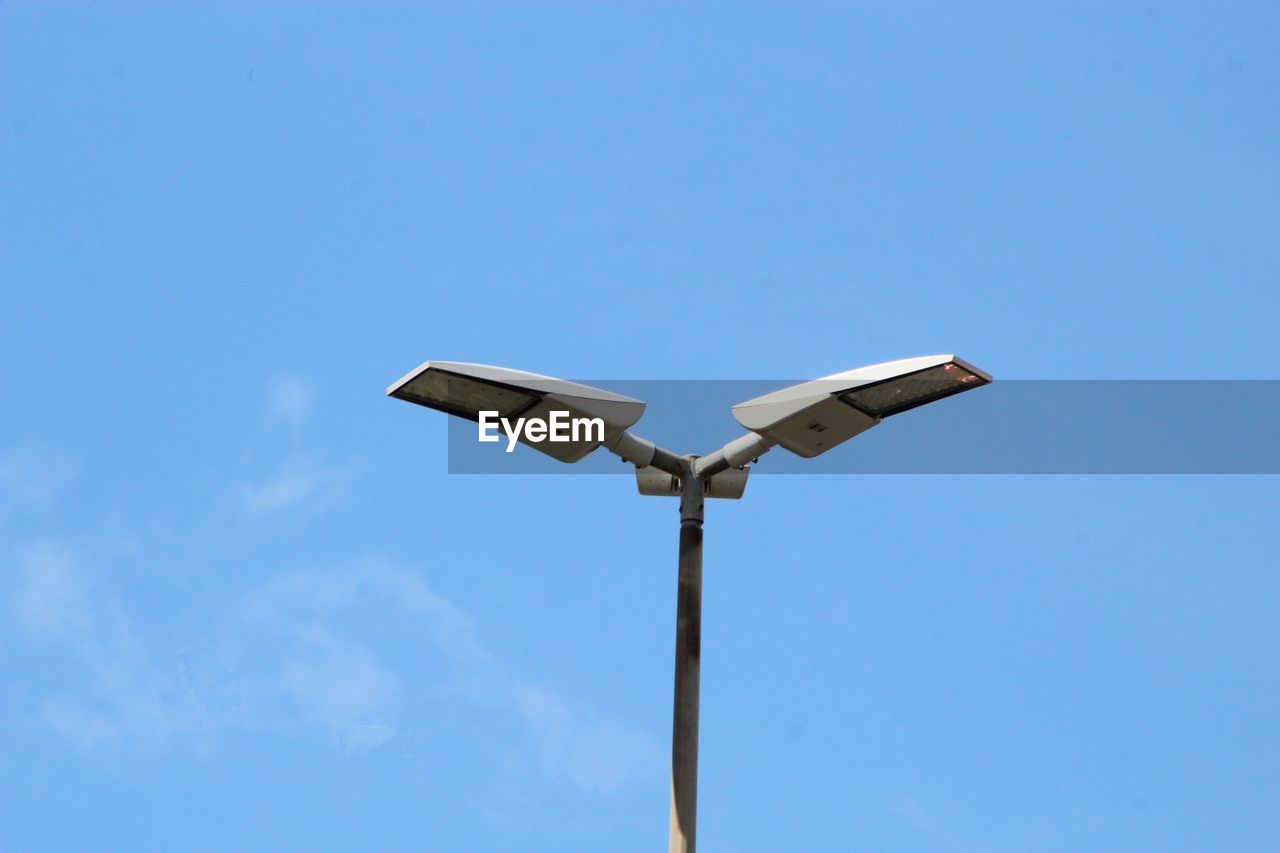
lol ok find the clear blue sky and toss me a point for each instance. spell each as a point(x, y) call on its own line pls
point(245, 607)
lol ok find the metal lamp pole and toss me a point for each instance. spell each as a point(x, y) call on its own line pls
point(682, 836)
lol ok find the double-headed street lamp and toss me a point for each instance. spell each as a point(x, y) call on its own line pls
point(808, 419)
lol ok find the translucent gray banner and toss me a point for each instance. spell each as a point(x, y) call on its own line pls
point(1165, 426)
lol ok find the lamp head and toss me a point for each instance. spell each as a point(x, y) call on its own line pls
point(811, 418)
point(464, 390)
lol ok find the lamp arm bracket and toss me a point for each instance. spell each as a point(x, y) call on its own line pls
point(643, 453)
point(735, 454)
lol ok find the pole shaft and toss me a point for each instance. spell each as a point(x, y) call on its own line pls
point(682, 836)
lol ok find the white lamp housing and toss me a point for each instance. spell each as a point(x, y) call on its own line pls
point(813, 417)
point(465, 390)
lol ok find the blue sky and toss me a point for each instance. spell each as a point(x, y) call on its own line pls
point(245, 607)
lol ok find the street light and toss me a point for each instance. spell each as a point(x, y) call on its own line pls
point(813, 417)
point(466, 390)
point(808, 419)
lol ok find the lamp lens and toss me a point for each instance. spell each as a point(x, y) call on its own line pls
point(463, 396)
point(891, 396)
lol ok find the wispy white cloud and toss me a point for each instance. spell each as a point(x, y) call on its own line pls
point(84, 728)
point(299, 482)
point(56, 603)
point(363, 737)
point(596, 754)
point(307, 612)
point(339, 681)
point(51, 599)
point(31, 476)
point(304, 653)
point(290, 400)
